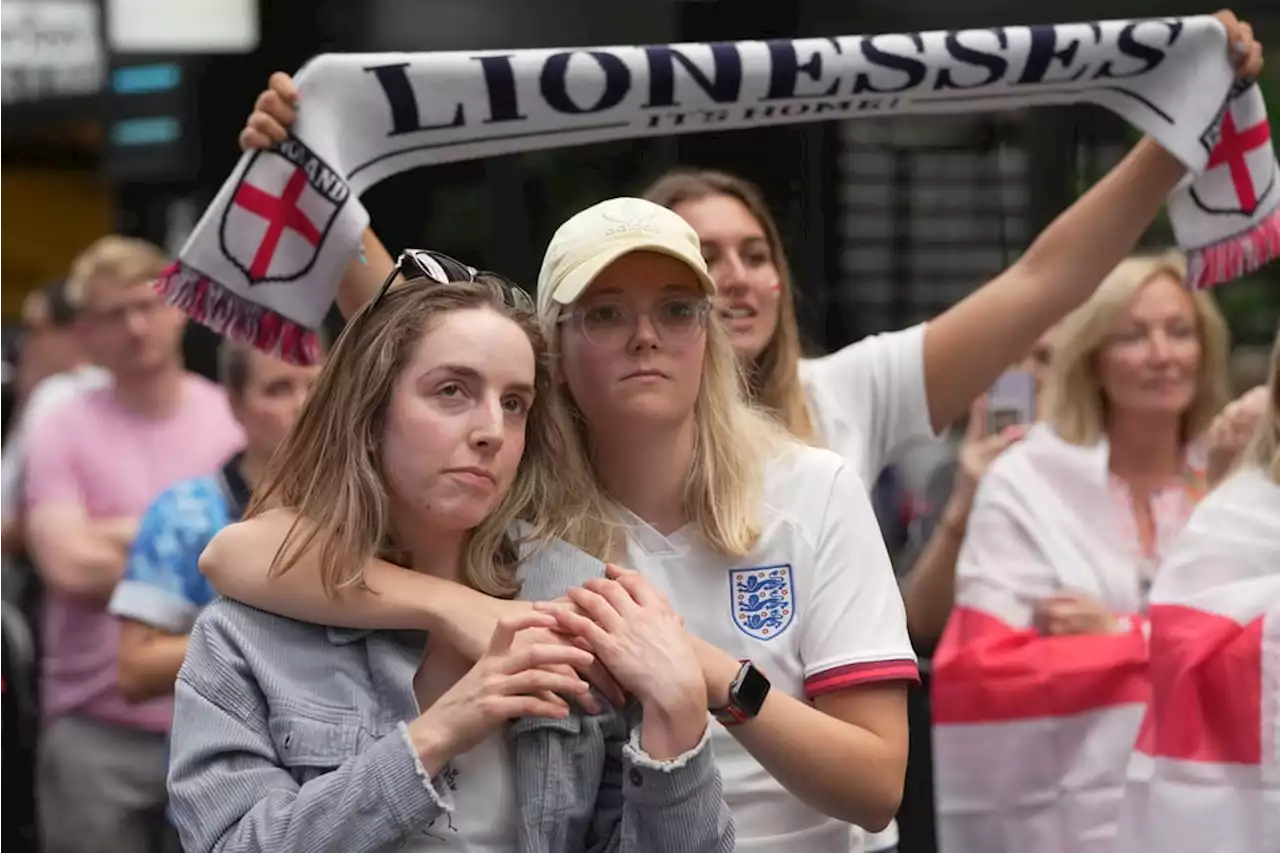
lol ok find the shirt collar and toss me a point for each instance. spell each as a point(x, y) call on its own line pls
point(234, 487)
point(346, 636)
point(404, 636)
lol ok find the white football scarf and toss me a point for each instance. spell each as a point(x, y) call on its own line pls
point(264, 262)
point(1206, 771)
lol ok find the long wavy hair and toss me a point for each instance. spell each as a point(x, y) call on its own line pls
point(329, 467)
point(773, 377)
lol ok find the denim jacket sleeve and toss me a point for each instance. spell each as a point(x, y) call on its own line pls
point(231, 792)
point(585, 786)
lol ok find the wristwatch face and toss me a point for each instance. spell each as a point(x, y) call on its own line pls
point(750, 690)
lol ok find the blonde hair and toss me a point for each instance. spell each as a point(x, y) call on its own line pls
point(773, 378)
point(1264, 451)
point(123, 260)
point(329, 467)
point(724, 491)
point(1075, 405)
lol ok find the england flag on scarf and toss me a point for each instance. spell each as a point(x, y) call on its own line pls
point(1032, 733)
point(1206, 772)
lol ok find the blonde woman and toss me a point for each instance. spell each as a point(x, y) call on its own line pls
point(768, 549)
point(431, 430)
point(1045, 652)
point(879, 398)
point(1206, 772)
point(875, 399)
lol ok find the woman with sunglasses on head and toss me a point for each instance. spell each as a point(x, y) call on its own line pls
point(875, 400)
point(768, 549)
point(432, 429)
point(783, 788)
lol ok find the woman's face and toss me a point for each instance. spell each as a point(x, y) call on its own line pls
point(633, 346)
point(455, 426)
point(1150, 361)
point(749, 287)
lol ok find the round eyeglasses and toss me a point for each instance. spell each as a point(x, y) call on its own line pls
point(439, 268)
point(676, 320)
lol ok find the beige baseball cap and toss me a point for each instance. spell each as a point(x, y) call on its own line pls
point(591, 240)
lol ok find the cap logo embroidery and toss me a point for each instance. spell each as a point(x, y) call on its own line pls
point(630, 219)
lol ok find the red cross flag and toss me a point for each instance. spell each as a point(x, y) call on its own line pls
point(275, 223)
point(1229, 218)
point(1206, 771)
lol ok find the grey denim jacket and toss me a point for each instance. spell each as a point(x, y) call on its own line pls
point(289, 738)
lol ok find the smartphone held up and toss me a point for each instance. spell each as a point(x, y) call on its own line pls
point(1011, 401)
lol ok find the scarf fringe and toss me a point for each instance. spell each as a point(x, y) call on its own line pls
point(1236, 256)
point(232, 316)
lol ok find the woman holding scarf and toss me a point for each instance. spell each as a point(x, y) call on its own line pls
point(1047, 283)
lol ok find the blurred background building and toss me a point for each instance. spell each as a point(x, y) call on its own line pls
point(123, 115)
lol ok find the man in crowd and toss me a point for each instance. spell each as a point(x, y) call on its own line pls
point(163, 591)
point(93, 466)
point(52, 367)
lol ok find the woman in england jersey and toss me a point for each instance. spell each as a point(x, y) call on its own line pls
point(767, 548)
point(1031, 297)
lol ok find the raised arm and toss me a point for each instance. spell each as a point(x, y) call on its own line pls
point(273, 113)
point(968, 346)
point(929, 588)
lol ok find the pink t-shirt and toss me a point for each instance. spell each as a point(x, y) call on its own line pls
point(93, 453)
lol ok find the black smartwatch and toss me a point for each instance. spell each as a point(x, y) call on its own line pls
point(746, 696)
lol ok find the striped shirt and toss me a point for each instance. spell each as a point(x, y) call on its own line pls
point(290, 736)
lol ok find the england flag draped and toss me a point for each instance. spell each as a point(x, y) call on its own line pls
point(1032, 733)
point(1206, 771)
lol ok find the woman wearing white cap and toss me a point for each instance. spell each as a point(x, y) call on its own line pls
point(768, 548)
point(777, 564)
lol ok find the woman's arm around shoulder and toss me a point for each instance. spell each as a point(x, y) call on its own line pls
point(238, 562)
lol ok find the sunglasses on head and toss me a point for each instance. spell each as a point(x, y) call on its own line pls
point(419, 264)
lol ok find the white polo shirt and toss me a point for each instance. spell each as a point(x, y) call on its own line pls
point(815, 606)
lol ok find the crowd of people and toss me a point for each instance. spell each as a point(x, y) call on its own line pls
point(598, 568)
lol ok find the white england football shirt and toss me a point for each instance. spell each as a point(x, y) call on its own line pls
point(815, 606)
point(869, 404)
point(868, 400)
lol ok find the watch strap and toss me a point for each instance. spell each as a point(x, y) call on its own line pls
point(736, 711)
